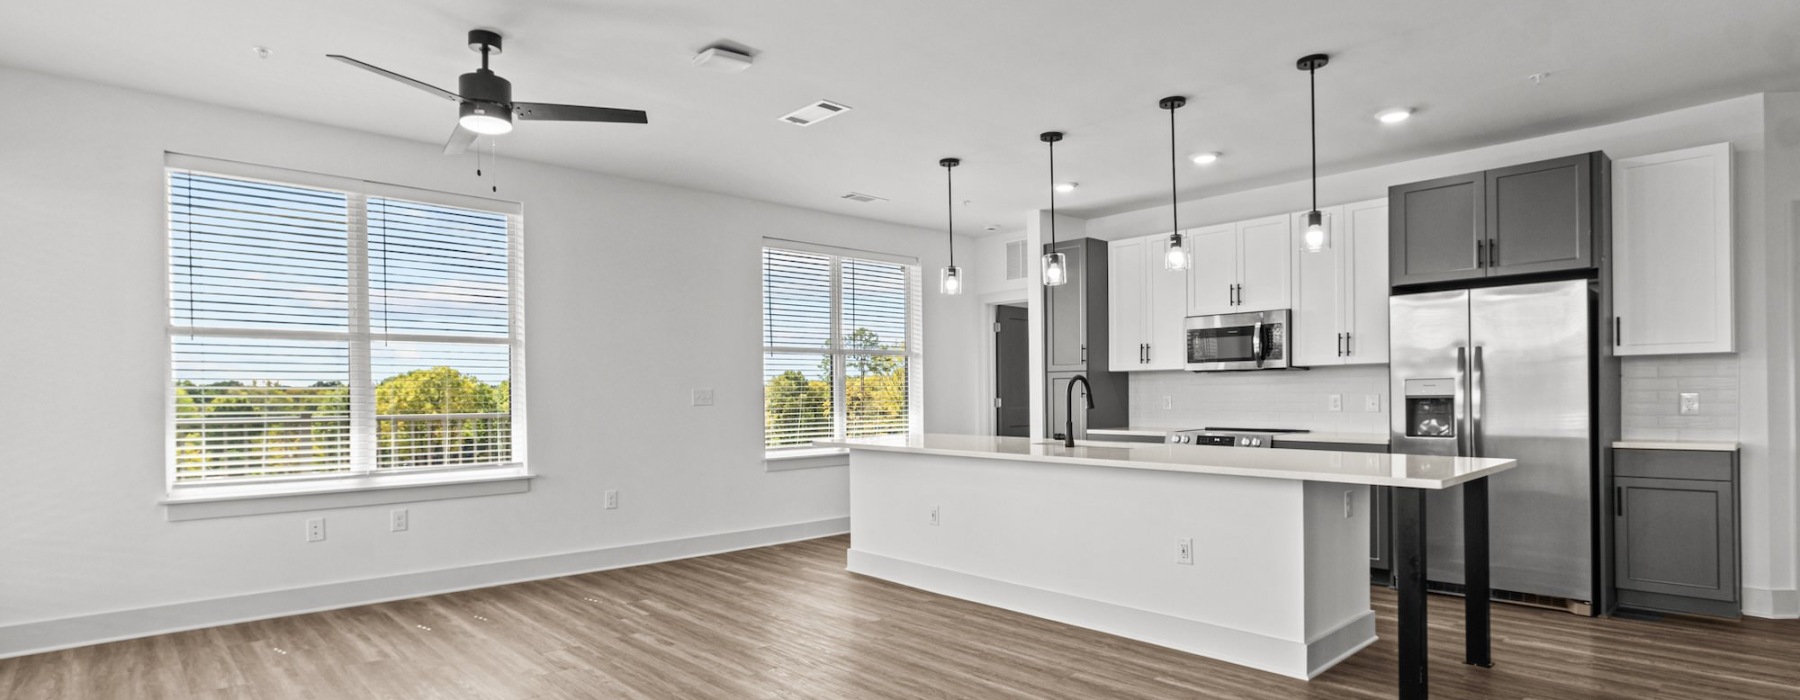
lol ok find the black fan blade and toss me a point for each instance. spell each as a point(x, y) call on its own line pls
point(460, 141)
point(433, 89)
point(576, 113)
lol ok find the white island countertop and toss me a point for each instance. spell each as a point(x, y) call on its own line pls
point(1408, 471)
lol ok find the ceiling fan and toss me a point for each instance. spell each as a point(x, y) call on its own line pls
point(486, 104)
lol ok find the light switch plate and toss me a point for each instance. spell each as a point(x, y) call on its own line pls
point(1690, 403)
point(1371, 403)
point(703, 397)
point(612, 499)
point(1168, 403)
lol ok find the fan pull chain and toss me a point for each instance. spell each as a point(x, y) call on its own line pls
point(493, 159)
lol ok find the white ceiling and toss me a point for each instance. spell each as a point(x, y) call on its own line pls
point(934, 78)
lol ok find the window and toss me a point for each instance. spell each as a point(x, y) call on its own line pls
point(841, 349)
point(322, 327)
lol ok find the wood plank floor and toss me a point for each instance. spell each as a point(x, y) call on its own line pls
point(789, 622)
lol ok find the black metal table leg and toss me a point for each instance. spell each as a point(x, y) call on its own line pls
point(1475, 574)
point(1409, 563)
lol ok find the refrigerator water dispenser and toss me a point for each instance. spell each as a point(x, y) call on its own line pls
point(1431, 408)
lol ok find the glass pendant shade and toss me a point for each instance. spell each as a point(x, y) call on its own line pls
point(1315, 239)
point(1056, 269)
point(1175, 257)
point(951, 281)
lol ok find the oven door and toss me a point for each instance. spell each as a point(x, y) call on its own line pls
point(1246, 341)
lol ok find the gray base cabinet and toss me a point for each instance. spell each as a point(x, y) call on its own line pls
point(1675, 531)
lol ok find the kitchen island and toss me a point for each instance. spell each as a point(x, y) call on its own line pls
point(1252, 556)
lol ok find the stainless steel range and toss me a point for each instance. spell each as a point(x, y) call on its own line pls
point(1230, 437)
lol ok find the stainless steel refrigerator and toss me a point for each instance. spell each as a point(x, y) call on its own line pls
point(1509, 372)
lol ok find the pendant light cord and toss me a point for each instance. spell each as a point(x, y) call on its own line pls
point(950, 211)
point(1312, 90)
point(1052, 196)
point(1174, 213)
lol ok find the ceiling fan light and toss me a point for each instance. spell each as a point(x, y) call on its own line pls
point(485, 119)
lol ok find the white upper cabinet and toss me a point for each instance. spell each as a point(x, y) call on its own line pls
point(1264, 250)
point(1147, 304)
point(1240, 267)
point(1213, 276)
point(1341, 293)
point(1672, 252)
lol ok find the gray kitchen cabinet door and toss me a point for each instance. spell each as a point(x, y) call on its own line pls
point(1066, 317)
point(1540, 216)
point(1057, 395)
point(1675, 537)
point(1437, 230)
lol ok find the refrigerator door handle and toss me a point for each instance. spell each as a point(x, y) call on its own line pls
point(1460, 403)
point(1476, 384)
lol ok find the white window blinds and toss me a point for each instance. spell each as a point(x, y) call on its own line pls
point(326, 331)
point(839, 346)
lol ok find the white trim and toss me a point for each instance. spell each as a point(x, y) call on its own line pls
point(791, 460)
point(236, 500)
point(1287, 657)
point(285, 176)
point(1773, 603)
point(820, 249)
point(69, 632)
point(990, 354)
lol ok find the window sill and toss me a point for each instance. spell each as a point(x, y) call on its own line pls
point(791, 460)
point(201, 502)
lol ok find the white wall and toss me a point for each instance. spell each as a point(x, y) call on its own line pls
point(1751, 393)
point(636, 293)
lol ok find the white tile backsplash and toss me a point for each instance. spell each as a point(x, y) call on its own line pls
point(1272, 399)
point(1652, 389)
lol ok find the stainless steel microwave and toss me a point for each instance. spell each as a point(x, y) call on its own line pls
point(1242, 341)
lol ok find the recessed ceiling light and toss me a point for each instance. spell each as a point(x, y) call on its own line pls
point(1205, 158)
point(1067, 187)
point(1395, 116)
point(262, 51)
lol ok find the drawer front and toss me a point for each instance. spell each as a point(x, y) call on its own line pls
point(1673, 464)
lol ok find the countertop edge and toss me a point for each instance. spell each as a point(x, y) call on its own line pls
point(1677, 445)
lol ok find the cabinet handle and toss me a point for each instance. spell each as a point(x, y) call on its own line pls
point(1619, 501)
point(1146, 353)
point(1493, 252)
point(1084, 352)
point(1231, 295)
point(1480, 250)
point(1340, 346)
point(1618, 332)
point(1349, 348)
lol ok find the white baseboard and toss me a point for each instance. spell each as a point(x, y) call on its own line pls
point(51, 635)
point(1776, 603)
point(1291, 658)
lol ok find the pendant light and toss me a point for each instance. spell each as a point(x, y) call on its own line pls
point(1056, 265)
point(1175, 256)
point(1315, 239)
point(951, 282)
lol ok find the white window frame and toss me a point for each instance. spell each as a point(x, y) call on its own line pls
point(363, 484)
point(802, 457)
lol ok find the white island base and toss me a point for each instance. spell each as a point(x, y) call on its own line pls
point(1280, 572)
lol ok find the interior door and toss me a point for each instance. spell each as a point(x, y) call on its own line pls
point(1164, 329)
point(1213, 274)
point(1317, 335)
point(1012, 372)
point(1126, 304)
point(1263, 264)
point(1529, 386)
point(1365, 234)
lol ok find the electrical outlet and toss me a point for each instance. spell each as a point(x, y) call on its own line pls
point(1184, 551)
point(1371, 403)
point(397, 520)
point(1349, 500)
point(1690, 404)
point(1334, 402)
point(315, 530)
point(1168, 403)
point(703, 397)
point(934, 516)
point(612, 499)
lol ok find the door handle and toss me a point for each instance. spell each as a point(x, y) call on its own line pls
point(1477, 383)
point(1084, 352)
point(1146, 353)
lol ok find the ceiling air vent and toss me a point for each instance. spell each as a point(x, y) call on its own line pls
point(814, 113)
point(1015, 260)
point(860, 197)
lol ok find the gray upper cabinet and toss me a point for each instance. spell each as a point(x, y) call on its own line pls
point(1526, 219)
point(1675, 530)
point(1540, 216)
point(1066, 320)
point(1076, 326)
point(1437, 230)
